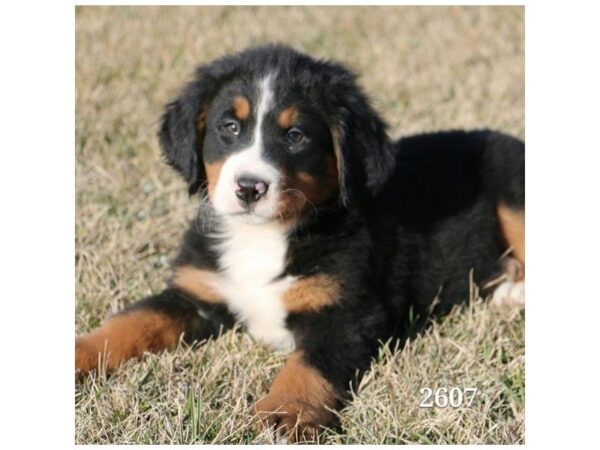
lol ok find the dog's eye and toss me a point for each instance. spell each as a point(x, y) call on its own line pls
point(232, 127)
point(294, 136)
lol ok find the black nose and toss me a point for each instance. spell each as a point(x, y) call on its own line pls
point(250, 189)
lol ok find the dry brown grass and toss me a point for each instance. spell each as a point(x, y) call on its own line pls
point(426, 68)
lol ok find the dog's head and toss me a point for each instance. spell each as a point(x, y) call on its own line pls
point(270, 132)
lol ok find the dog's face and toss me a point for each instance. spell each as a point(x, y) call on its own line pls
point(267, 153)
point(270, 133)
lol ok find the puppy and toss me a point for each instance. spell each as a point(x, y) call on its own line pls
point(315, 231)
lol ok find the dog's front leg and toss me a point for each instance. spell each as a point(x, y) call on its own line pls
point(150, 325)
point(332, 353)
point(300, 402)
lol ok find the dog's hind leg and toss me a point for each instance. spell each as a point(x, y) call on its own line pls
point(512, 228)
point(508, 289)
point(503, 173)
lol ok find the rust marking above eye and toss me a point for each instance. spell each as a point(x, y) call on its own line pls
point(287, 118)
point(241, 107)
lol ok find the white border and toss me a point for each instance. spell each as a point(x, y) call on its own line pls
point(37, 186)
point(38, 239)
point(563, 148)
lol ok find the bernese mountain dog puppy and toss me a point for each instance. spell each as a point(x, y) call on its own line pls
point(316, 232)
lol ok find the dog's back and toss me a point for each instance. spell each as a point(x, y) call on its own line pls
point(450, 211)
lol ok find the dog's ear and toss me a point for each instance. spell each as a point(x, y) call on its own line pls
point(182, 129)
point(365, 155)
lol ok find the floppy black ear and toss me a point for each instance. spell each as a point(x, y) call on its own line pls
point(364, 151)
point(182, 130)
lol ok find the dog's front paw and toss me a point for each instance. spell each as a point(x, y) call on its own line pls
point(300, 402)
point(293, 419)
point(87, 356)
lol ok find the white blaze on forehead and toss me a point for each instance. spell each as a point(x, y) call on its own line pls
point(250, 162)
point(264, 104)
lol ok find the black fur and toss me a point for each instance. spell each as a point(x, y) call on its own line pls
point(368, 155)
point(412, 219)
point(200, 320)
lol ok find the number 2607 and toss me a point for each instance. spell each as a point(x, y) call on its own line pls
point(454, 397)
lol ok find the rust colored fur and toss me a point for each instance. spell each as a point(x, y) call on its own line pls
point(212, 176)
point(288, 117)
point(241, 107)
point(298, 402)
point(512, 225)
point(311, 294)
point(123, 337)
point(198, 282)
point(301, 191)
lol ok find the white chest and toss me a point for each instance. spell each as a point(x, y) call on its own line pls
point(252, 256)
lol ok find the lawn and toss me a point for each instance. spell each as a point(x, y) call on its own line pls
point(425, 68)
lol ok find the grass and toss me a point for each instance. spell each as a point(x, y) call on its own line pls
point(426, 68)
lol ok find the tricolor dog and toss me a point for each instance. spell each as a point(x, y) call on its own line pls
point(315, 231)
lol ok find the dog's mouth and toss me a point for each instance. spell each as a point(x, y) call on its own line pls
point(250, 217)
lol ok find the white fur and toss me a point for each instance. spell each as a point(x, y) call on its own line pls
point(250, 161)
point(252, 256)
point(509, 293)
